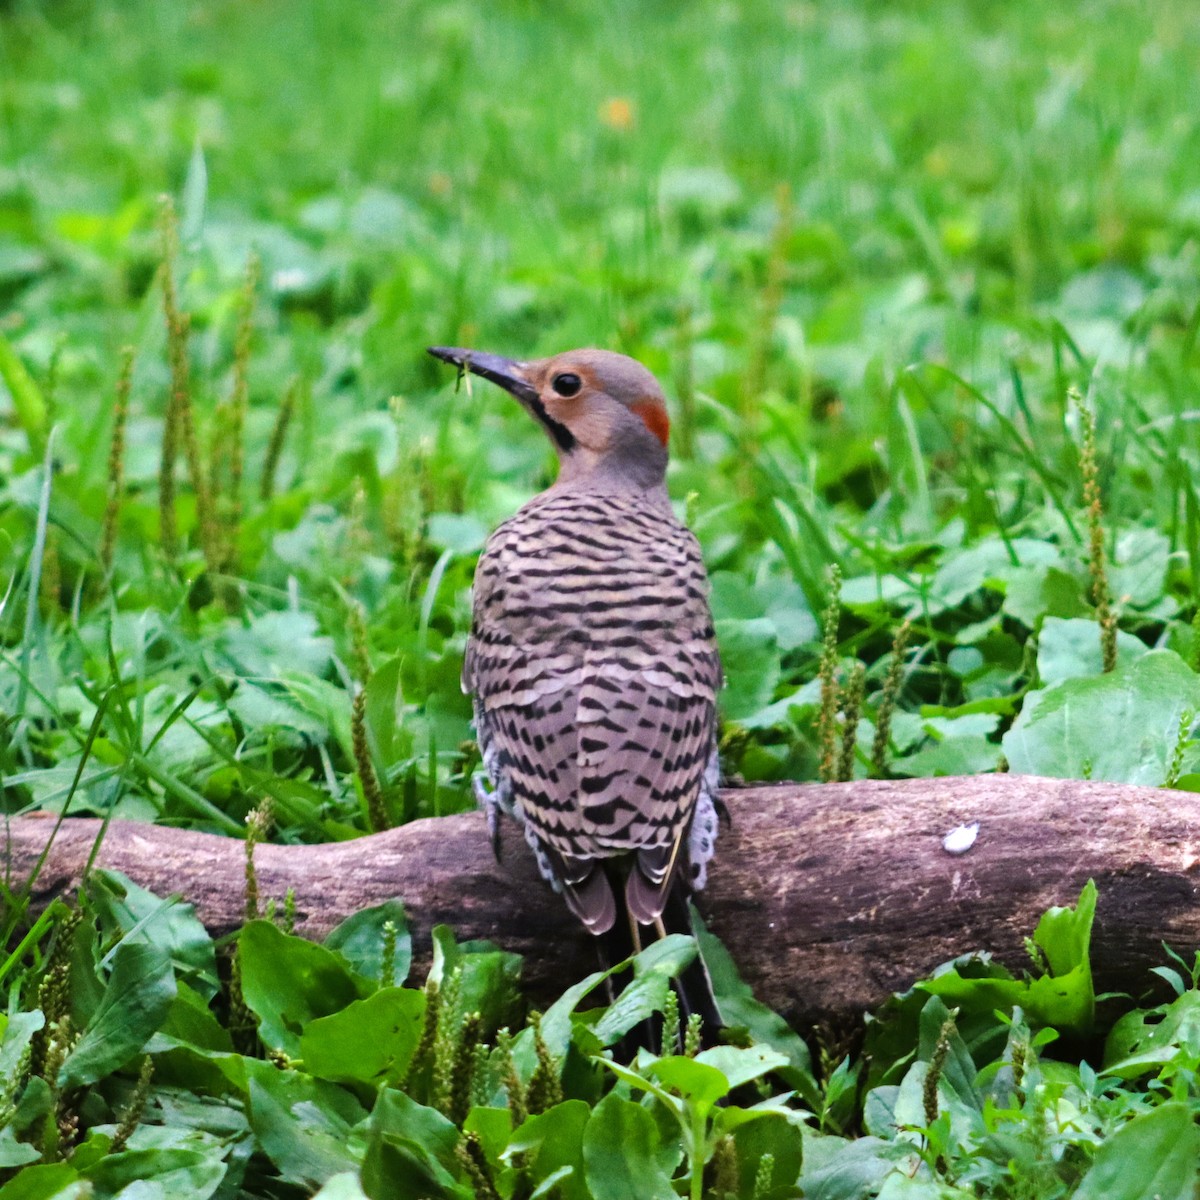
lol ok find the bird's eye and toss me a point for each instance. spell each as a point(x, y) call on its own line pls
point(567, 384)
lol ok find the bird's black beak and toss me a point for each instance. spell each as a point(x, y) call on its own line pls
point(502, 371)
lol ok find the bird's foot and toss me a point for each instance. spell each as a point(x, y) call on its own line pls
point(488, 801)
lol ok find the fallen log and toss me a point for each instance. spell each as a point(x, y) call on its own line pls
point(829, 896)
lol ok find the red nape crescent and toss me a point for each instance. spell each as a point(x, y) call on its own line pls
point(654, 417)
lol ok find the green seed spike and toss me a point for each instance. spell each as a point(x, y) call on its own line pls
point(1182, 737)
point(387, 968)
point(763, 1176)
point(466, 1041)
point(473, 1160)
point(724, 1168)
point(851, 707)
point(517, 1103)
point(888, 697)
point(545, 1086)
point(1097, 562)
point(937, 1064)
point(827, 718)
point(670, 1029)
point(424, 1050)
point(446, 1042)
point(116, 460)
point(258, 825)
point(377, 813)
point(132, 1115)
point(283, 418)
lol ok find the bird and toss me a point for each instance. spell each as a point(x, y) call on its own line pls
point(592, 659)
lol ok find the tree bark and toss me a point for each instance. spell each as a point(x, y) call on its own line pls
point(829, 897)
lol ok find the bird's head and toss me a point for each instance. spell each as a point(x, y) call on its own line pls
point(604, 412)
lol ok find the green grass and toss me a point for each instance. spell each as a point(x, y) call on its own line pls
point(869, 253)
point(869, 250)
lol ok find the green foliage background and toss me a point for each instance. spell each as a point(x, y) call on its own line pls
point(870, 250)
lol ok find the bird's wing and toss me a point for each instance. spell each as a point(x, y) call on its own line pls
point(646, 731)
point(526, 700)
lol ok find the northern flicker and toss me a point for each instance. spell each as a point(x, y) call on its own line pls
point(591, 659)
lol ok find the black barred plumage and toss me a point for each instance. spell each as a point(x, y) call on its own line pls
point(596, 718)
point(592, 659)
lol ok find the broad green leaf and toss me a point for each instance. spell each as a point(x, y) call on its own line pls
point(969, 755)
point(458, 532)
point(1142, 1040)
point(50, 1181)
point(288, 982)
point(14, 1153)
point(190, 1021)
point(35, 1102)
point(273, 710)
point(27, 399)
point(991, 562)
point(140, 916)
point(1121, 727)
point(553, 1140)
point(1156, 1156)
point(410, 1151)
point(640, 1082)
point(1034, 593)
point(750, 656)
point(978, 986)
point(136, 1000)
point(304, 1125)
point(698, 1083)
point(369, 1041)
point(489, 977)
point(780, 600)
point(179, 1174)
point(739, 1008)
point(1070, 649)
point(1064, 932)
point(491, 985)
point(387, 714)
point(900, 1185)
point(273, 645)
point(1137, 574)
point(666, 957)
point(554, 1185)
point(839, 1169)
point(18, 1033)
point(1063, 998)
point(620, 1145)
point(766, 1132)
point(740, 1064)
point(556, 1024)
point(344, 1186)
point(638, 1002)
point(360, 940)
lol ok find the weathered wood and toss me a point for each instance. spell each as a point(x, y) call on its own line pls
point(829, 896)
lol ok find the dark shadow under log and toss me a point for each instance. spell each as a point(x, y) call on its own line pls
point(828, 896)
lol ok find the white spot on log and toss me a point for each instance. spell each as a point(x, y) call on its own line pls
point(960, 839)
